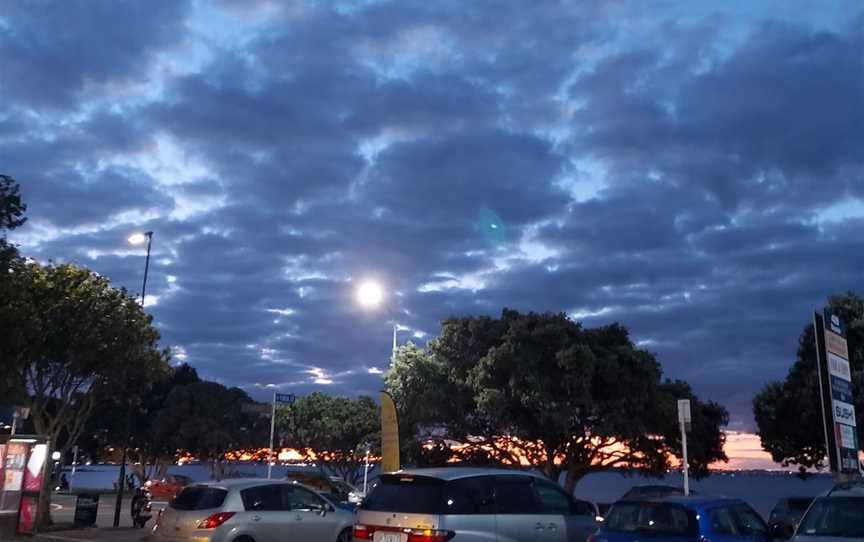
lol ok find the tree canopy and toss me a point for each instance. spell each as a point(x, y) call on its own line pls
point(540, 388)
point(336, 429)
point(789, 413)
point(207, 420)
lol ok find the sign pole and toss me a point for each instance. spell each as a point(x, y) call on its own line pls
point(272, 432)
point(366, 472)
point(14, 421)
point(684, 420)
point(686, 464)
point(74, 460)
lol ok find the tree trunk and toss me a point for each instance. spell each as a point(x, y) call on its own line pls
point(575, 472)
point(44, 504)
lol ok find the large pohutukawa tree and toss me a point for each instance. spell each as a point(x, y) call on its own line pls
point(540, 388)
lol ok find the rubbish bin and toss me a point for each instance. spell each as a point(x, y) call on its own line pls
point(86, 507)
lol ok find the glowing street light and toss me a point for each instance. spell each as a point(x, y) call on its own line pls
point(138, 238)
point(370, 294)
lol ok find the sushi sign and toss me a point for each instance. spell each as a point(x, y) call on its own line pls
point(835, 385)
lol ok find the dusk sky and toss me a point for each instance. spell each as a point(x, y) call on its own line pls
point(693, 170)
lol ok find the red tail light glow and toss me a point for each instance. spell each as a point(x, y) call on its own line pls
point(215, 520)
point(363, 532)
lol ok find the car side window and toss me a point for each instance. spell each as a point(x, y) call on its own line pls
point(514, 495)
point(722, 521)
point(468, 496)
point(552, 499)
point(301, 499)
point(748, 521)
point(262, 498)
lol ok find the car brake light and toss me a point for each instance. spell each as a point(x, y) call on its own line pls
point(363, 532)
point(429, 535)
point(215, 520)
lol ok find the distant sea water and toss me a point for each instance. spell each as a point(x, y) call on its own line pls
point(760, 489)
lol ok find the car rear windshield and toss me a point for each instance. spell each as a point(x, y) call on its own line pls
point(834, 516)
point(405, 494)
point(199, 498)
point(651, 518)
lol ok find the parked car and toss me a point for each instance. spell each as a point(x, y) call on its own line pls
point(837, 516)
point(682, 519)
point(252, 510)
point(167, 488)
point(471, 505)
point(787, 513)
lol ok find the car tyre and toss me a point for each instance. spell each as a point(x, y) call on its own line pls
point(244, 539)
point(345, 535)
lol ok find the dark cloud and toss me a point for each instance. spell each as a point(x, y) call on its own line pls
point(293, 149)
point(51, 52)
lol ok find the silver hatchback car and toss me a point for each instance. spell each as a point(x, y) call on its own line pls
point(252, 510)
point(471, 505)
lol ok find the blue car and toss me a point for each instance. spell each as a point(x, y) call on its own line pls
point(682, 519)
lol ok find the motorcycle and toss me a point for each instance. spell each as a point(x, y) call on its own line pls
point(141, 507)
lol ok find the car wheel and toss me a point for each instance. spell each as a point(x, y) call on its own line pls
point(345, 535)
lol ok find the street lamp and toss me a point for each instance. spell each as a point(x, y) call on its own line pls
point(137, 239)
point(370, 295)
point(134, 239)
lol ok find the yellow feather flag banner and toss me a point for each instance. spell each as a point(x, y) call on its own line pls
point(389, 434)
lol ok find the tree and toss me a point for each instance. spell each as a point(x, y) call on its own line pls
point(12, 207)
point(789, 413)
point(336, 430)
point(11, 266)
point(539, 389)
point(206, 419)
point(73, 340)
point(146, 447)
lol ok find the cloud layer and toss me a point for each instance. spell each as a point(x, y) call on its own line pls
point(696, 175)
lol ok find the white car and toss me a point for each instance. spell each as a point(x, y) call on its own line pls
point(252, 510)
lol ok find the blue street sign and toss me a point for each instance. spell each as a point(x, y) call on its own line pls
point(285, 398)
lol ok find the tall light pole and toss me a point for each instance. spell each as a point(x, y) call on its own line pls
point(134, 239)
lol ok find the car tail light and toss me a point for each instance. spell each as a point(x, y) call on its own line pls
point(215, 520)
point(429, 535)
point(363, 532)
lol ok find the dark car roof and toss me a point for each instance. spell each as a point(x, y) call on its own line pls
point(697, 501)
point(455, 473)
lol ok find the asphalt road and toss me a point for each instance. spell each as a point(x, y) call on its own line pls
point(63, 513)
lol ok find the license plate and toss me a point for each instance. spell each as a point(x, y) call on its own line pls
point(388, 537)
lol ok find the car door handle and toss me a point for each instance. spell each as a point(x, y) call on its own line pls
point(256, 518)
point(539, 526)
point(553, 527)
point(298, 517)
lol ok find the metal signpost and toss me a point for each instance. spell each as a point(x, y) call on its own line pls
point(835, 387)
point(684, 420)
point(281, 399)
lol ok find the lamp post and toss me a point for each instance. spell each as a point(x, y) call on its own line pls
point(134, 239)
